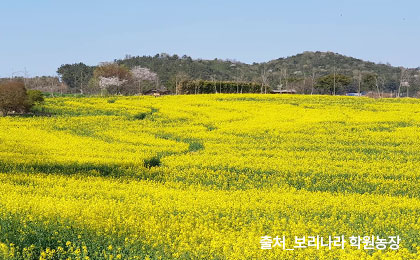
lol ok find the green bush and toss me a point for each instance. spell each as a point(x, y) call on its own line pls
point(152, 162)
point(35, 97)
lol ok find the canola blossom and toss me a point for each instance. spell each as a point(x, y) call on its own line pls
point(207, 176)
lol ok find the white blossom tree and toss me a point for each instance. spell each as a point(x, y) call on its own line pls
point(111, 78)
point(105, 83)
point(141, 75)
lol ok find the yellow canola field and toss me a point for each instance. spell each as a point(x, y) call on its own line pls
point(207, 176)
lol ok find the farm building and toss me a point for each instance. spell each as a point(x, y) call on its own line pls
point(156, 92)
point(355, 94)
point(283, 91)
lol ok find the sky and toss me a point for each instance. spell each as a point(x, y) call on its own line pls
point(36, 37)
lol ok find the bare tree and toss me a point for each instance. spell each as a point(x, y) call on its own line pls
point(284, 75)
point(13, 97)
point(416, 83)
point(180, 77)
point(238, 78)
point(51, 86)
point(213, 78)
point(404, 79)
point(313, 81)
point(264, 80)
point(334, 81)
point(81, 82)
point(382, 82)
point(241, 79)
point(377, 85)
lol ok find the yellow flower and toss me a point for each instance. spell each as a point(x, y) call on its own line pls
point(205, 176)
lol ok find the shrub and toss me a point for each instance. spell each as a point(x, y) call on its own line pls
point(140, 116)
point(35, 97)
point(152, 162)
point(13, 97)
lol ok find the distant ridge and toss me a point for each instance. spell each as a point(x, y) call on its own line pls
point(298, 72)
point(295, 68)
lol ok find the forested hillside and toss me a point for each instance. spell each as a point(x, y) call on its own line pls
point(306, 73)
point(298, 71)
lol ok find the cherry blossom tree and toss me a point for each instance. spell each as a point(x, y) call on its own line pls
point(140, 75)
point(112, 77)
point(106, 83)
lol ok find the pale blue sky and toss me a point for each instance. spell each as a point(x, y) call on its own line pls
point(41, 35)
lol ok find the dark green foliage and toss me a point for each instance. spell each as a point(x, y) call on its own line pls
point(140, 116)
point(152, 162)
point(332, 84)
point(76, 76)
point(299, 70)
point(293, 72)
point(369, 82)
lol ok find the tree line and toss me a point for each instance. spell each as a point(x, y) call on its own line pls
point(307, 73)
point(208, 87)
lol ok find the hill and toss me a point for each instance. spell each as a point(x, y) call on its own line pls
point(294, 71)
point(300, 72)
